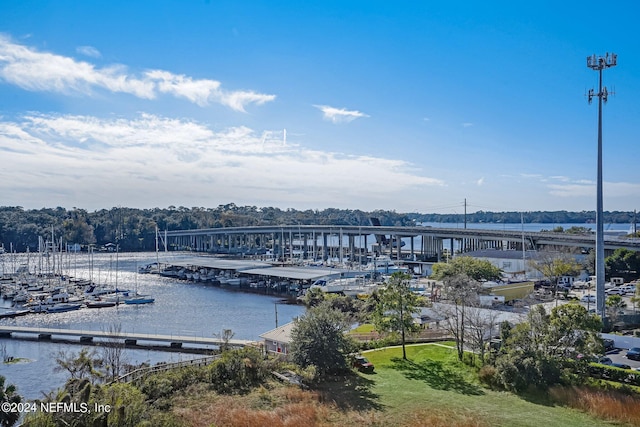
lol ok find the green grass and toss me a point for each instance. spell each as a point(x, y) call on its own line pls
point(363, 329)
point(432, 379)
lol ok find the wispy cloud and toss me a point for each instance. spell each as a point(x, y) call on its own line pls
point(466, 125)
point(339, 115)
point(89, 51)
point(480, 182)
point(158, 161)
point(40, 71)
point(585, 188)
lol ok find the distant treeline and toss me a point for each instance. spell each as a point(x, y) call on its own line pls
point(134, 229)
point(538, 217)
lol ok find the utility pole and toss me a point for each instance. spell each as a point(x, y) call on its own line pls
point(465, 213)
point(599, 63)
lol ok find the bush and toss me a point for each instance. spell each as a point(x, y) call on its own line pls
point(488, 375)
point(519, 373)
point(612, 373)
point(238, 371)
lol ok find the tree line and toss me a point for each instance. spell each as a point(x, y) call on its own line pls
point(135, 229)
point(532, 217)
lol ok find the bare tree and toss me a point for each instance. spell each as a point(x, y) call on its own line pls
point(226, 336)
point(480, 325)
point(462, 292)
point(113, 353)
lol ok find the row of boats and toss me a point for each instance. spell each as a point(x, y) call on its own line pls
point(56, 294)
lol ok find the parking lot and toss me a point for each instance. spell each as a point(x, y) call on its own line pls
point(618, 356)
point(578, 295)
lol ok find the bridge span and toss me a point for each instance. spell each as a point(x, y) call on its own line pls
point(418, 242)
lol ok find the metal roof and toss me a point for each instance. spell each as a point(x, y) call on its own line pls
point(219, 263)
point(296, 273)
point(281, 334)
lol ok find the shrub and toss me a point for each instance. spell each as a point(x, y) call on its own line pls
point(238, 371)
point(488, 375)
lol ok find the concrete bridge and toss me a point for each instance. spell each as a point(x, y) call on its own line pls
point(420, 243)
point(127, 338)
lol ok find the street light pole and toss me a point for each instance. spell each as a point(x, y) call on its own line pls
point(599, 63)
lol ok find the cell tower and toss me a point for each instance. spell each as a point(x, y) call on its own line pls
point(599, 63)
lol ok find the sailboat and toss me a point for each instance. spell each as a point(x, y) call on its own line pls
point(137, 298)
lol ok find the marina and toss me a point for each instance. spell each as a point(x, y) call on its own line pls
point(182, 308)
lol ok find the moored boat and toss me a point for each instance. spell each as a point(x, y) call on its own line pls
point(139, 299)
point(62, 307)
point(100, 304)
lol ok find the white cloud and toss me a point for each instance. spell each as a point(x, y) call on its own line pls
point(197, 91)
point(37, 71)
point(339, 115)
point(480, 182)
point(89, 51)
point(466, 125)
point(64, 160)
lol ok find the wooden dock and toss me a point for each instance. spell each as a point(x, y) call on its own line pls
point(128, 338)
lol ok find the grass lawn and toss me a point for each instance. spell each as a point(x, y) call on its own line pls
point(432, 381)
point(430, 389)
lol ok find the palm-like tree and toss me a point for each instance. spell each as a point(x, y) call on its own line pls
point(8, 394)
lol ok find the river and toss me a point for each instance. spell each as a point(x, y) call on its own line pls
point(180, 308)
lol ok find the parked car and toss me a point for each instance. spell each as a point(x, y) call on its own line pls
point(605, 361)
point(580, 284)
point(628, 289)
point(608, 344)
point(633, 353)
point(588, 298)
point(564, 287)
point(615, 291)
point(362, 364)
point(620, 365)
point(571, 296)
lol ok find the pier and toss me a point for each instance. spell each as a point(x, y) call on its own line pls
point(127, 338)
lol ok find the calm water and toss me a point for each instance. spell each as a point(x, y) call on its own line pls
point(180, 308)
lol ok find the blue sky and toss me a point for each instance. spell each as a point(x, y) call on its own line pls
point(406, 106)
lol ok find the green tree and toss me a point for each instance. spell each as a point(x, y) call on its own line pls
point(80, 366)
point(474, 268)
point(8, 394)
point(397, 303)
point(318, 339)
point(615, 304)
point(534, 351)
point(314, 296)
point(573, 330)
point(623, 263)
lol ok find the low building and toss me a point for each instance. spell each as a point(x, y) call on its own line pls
point(512, 263)
point(278, 340)
point(509, 291)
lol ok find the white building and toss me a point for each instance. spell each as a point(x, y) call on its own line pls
point(513, 263)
